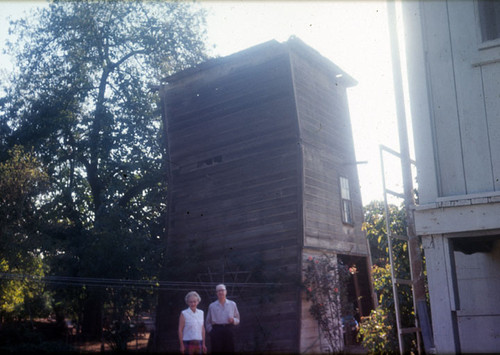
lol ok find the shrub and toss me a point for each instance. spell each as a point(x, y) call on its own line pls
point(376, 333)
point(325, 284)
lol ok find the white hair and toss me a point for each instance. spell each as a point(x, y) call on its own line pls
point(190, 294)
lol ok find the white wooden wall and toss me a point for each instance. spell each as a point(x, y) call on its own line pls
point(464, 293)
point(454, 83)
point(460, 115)
point(478, 284)
point(439, 262)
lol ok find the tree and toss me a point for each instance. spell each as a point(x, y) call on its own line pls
point(81, 97)
point(376, 232)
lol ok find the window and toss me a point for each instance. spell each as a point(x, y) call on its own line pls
point(489, 18)
point(346, 201)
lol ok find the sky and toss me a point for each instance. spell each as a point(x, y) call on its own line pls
point(352, 34)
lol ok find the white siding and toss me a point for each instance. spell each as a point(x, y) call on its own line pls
point(478, 278)
point(470, 100)
point(441, 288)
point(420, 105)
point(454, 83)
point(461, 107)
point(444, 108)
point(491, 82)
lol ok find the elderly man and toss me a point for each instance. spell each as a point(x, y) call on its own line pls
point(222, 316)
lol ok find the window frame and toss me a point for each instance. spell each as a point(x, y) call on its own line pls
point(347, 215)
point(482, 25)
point(488, 51)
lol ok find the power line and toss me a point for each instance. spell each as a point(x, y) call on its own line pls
point(123, 283)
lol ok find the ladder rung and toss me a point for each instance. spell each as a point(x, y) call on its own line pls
point(393, 152)
point(409, 330)
point(389, 150)
point(404, 282)
point(394, 193)
point(400, 237)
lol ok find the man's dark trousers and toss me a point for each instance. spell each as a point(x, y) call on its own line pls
point(222, 338)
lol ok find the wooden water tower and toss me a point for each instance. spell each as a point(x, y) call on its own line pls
point(262, 175)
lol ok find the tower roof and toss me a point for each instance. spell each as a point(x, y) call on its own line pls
point(262, 52)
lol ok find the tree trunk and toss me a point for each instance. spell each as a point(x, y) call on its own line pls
point(92, 316)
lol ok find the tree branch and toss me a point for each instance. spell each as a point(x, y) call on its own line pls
point(126, 57)
point(147, 181)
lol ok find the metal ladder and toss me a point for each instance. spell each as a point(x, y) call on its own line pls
point(398, 281)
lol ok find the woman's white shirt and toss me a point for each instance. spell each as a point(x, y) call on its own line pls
point(193, 324)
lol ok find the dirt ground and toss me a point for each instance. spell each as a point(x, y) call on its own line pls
point(139, 344)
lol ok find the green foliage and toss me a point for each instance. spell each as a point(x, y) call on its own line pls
point(376, 230)
point(377, 333)
point(325, 284)
point(21, 179)
point(382, 285)
point(383, 288)
point(22, 298)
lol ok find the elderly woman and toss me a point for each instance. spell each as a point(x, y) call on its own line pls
point(191, 329)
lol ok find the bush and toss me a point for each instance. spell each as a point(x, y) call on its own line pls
point(376, 333)
point(325, 285)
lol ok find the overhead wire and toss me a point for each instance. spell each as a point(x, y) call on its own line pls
point(121, 283)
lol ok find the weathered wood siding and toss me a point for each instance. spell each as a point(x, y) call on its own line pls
point(328, 154)
point(232, 131)
point(253, 182)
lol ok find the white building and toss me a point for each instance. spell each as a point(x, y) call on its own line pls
point(453, 55)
